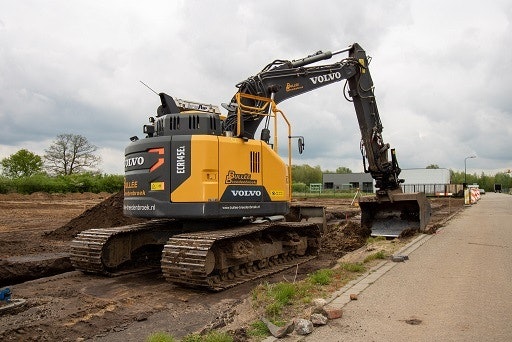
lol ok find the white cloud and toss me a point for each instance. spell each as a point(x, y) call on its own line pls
point(441, 71)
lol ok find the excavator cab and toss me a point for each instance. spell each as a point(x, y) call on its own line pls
point(394, 214)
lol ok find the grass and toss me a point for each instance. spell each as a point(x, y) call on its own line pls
point(321, 277)
point(374, 239)
point(353, 267)
point(281, 301)
point(375, 256)
point(160, 337)
point(258, 329)
point(212, 336)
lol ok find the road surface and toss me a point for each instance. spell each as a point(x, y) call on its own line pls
point(457, 286)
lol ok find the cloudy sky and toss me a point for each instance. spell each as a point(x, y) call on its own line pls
point(442, 72)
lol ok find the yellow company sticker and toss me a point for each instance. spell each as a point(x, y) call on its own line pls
point(277, 193)
point(157, 186)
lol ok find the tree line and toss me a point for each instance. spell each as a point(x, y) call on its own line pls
point(69, 163)
point(68, 154)
point(304, 175)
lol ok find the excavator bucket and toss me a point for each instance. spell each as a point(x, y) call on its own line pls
point(391, 215)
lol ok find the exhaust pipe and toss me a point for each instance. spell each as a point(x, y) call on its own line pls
point(394, 213)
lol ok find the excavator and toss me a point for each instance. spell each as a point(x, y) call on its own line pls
point(218, 199)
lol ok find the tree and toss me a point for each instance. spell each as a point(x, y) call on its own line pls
point(343, 169)
point(70, 154)
point(22, 164)
point(433, 166)
point(306, 174)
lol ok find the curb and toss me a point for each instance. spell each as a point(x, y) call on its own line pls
point(341, 297)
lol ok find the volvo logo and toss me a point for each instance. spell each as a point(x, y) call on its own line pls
point(246, 193)
point(326, 78)
point(137, 161)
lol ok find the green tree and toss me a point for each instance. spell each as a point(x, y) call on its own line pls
point(343, 169)
point(70, 154)
point(306, 174)
point(22, 164)
point(433, 166)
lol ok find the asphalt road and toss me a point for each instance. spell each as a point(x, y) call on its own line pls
point(457, 286)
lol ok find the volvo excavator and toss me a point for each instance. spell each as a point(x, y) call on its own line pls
point(217, 196)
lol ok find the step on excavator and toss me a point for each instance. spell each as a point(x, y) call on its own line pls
point(219, 198)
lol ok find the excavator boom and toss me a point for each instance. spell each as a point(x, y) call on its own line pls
point(282, 79)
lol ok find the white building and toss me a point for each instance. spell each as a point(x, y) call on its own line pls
point(429, 181)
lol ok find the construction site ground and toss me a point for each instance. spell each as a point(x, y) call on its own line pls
point(72, 306)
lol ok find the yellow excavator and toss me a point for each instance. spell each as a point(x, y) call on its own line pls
point(218, 197)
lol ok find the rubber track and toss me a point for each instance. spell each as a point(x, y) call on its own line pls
point(184, 256)
point(87, 247)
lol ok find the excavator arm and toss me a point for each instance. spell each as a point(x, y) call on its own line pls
point(281, 80)
point(391, 211)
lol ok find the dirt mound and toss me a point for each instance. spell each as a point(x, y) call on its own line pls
point(341, 238)
point(108, 213)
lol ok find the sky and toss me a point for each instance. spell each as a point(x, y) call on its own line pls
point(442, 72)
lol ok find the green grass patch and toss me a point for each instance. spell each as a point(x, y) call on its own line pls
point(373, 239)
point(212, 336)
point(258, 329)
point(322, 277)
point(375, 256)
point(283, 292)
point(282, 301)
point(160, 337)
point(353, 267)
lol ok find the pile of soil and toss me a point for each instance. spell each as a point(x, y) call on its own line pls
point(342, 238)
point(108, 213)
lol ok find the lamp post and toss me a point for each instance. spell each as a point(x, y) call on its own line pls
point(465, 182)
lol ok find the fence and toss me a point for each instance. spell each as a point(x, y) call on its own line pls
point(434, 189)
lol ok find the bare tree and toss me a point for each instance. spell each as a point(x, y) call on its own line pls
point(70, 154)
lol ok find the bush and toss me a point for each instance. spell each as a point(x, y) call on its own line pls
point(299, 187)
point(85, 182)
point(5, 185)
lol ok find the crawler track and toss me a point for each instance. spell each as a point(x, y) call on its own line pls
point(105, 250)
point(209, 259)
point(217, 260)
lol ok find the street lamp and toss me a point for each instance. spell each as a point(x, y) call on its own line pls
point(465, 182)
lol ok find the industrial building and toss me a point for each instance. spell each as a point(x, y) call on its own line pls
point(429, 181)
point(348, 181)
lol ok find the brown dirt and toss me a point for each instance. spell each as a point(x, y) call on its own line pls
point(74, 307)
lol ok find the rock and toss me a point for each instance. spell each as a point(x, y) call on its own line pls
point(319, 302)
point(278, 331)
point(333, 312)
point(318, 319)
point(399, 258)
point(303, 326)
point(319, 310)
point(353, 296)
